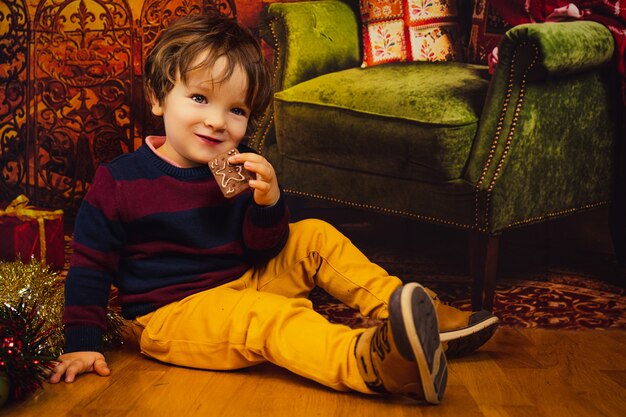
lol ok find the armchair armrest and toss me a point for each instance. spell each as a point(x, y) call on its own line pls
point(310, 39)
point(561, 47)
point(547, 124)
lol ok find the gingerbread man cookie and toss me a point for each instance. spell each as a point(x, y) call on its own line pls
point(232, 179)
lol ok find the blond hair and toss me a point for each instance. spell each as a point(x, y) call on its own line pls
point(178, 47)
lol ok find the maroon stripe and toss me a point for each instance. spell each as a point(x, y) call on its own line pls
point(84, 316)
point(172, 196)
point(84, 257)
point(102, 193)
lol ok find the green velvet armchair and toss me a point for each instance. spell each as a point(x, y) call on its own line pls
point(443, 142)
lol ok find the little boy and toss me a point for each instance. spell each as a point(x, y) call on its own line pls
point(217, 283)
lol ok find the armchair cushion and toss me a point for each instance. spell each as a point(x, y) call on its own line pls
point(415, 30)
point(398, 120)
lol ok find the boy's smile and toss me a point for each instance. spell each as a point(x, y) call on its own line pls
point(205, 116)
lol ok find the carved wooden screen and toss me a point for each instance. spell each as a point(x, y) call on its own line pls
point(81, 77)
point(14, 150)
point(70, 89)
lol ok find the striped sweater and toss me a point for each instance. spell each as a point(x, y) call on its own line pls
point(159, 234)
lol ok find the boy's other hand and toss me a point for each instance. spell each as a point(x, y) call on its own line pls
point(265, 186)
point(75, 363)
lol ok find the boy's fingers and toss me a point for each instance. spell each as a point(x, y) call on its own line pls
point(242, 157)
point(260, 169)
point(61, 369)
point(58, 372)
point(71, 371)
point(259, 185)
point(101, 367)
point(254, 168)
point(250, 158)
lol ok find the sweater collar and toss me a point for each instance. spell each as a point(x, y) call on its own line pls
point(171, 170)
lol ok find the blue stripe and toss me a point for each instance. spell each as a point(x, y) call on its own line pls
point(87, 287)
point(140, 276)
point(200, 228)
point(94, 230)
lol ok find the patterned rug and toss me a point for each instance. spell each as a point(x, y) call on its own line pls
point(556, 300)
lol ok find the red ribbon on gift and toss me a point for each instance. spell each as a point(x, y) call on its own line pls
point(19, 208)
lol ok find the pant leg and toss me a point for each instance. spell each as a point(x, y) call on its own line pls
point(264, 316)
point(229, 328)
point(318, 254)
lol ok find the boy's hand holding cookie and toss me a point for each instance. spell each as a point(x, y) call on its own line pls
point(236, 172)
point(265, 186)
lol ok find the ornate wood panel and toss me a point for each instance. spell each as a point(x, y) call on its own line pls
point(14, 28)
point(70, 89)
point(82, 78)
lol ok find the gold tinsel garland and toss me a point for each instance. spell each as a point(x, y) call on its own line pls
point(37, 284)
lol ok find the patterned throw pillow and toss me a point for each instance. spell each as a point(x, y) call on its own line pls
point(410, 30)
point(487, 31)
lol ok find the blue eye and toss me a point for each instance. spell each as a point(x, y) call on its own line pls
point(238, 111)
point(198, 98)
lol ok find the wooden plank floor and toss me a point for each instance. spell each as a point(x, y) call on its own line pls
point(518, 373)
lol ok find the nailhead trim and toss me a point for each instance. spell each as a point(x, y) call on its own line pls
point(270, 109)
point(497, 136)
point(265, 132)
point(380, 209)
point(557, 214)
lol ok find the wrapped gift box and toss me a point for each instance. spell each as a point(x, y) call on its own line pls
point(27, 231)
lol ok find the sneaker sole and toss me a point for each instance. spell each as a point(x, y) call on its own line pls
point(423, 337)
point(467, 340)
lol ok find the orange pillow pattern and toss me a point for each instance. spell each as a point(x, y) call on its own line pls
point(410, 30)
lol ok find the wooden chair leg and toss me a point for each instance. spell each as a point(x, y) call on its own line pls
point(483, 252)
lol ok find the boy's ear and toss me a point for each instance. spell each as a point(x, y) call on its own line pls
point(157, 109)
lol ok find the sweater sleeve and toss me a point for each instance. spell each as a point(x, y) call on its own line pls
point(98, 236)
point(265, 230)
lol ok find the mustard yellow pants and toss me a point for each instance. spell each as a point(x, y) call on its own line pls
point(265, 316)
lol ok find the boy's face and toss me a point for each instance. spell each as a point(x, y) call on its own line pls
point(203, 119)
